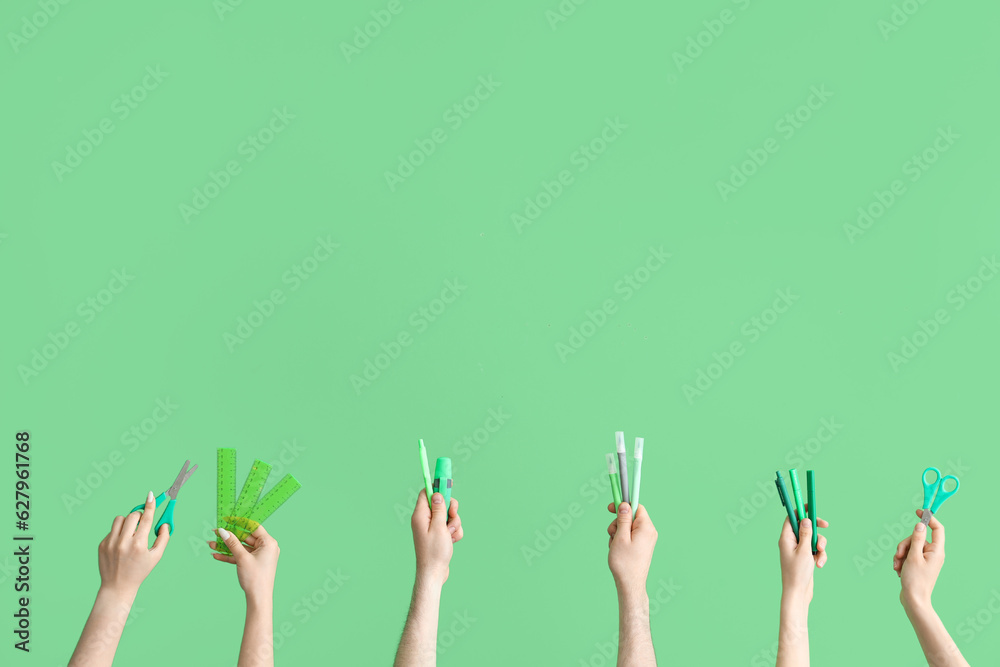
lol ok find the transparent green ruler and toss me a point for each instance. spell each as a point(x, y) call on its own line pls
point(242, 515)
point(226, 488)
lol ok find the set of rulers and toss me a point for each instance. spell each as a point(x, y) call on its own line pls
point(241, 515)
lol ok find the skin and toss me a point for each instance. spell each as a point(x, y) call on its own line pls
point(124, 559)
point(256, 564)
point(436, 529)
point(798, 564)
point(918, 563)
point(630, 551)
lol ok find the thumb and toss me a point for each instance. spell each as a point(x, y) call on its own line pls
point(624, 531)
point(918, 541)
point(239, 553)
point(161, 541)
point(806, 534)
point(439, 513)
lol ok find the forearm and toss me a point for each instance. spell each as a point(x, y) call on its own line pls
point(937, 645)
point(635, 641)
point(257, 647)
point(418, 645)
point(793, 631)
point(103, 630)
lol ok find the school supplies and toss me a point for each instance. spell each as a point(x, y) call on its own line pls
point(241, 516)
point(168, 514)
point(427, 472)
point(811, 493)
point(786, 501)
point(796, 509)
point(442, 480)
point(622, 466)
point(935, 494)
point(636, 473)
point(616, 489)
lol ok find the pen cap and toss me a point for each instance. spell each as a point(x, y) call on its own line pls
point(620, 441)
point(442, 469)
point(637, 452)
point(612, 463)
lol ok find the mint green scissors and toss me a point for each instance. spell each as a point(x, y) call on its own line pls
point(168, 514)
point(934, 493)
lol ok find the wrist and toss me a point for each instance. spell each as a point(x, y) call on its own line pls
point(796, 599)
point(632, 594)
point(119, 595)
point(915, 605)
point(431, 578)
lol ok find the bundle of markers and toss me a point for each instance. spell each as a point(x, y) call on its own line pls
point(620, 480)
point(793, 505)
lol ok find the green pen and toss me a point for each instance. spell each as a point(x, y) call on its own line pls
point(442, 480)
point(636, 473)
point(800, 509)
point(787, 503)
point(427, 471)
point(811, 493)
point(616, 492)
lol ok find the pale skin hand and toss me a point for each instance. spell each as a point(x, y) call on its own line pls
point(918, 563)
point(436, 529)
point(798, 564)
point(256, 564)
point(630, 551)
point(125, 560)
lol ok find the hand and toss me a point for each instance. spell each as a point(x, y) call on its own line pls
point(255, 563)
point(630, 547)
point(797, 560)
point(124, 556)
point(435, 531)
point(918, 563)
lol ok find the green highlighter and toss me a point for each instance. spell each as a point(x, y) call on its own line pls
point(811, 493)
point(427, 472)
point(616, 491)
point(442, 480)
point(800, 509)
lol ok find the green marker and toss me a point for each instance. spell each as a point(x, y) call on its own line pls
point(616, 492)
point(800, 509)
point(427, 471)
point(786, 502)
point(636, 473)
point(442, 480)
point(811, 493)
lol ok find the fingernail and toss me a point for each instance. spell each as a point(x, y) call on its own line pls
point(223, 533)
point(437, 499)
point(150, 498)
point(452, 529)
point(921, 527)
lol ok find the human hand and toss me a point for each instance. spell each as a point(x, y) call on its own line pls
point(797, 560)
point(256, 563)
point(436, 529)
point(918, 563)
point(630, 547)
point(124, 557)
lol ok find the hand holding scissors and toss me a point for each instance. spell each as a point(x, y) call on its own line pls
point(168, 514)
point(935, 494)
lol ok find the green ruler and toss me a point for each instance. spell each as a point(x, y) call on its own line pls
point(275, 498)
point(252, 488)
point(242, 515)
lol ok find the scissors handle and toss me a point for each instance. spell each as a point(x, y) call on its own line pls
point(167, 518)
point(943, 495)
point(159, 500)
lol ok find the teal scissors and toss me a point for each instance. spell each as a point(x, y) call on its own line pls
point(934, 493)
point(168, 514)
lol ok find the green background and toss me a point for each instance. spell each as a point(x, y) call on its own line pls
point(286, 391)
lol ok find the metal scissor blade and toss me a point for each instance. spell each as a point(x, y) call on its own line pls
point(926, 518)
point(183, 476)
